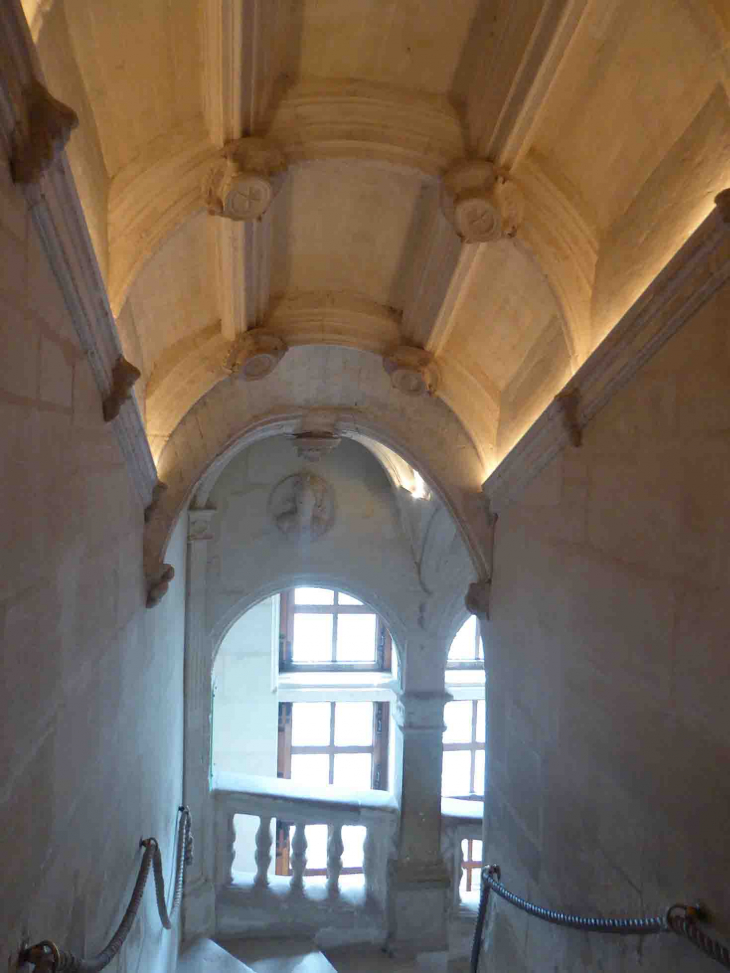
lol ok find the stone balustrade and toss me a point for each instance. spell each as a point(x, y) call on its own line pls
point(460, 820)
point(259, 902)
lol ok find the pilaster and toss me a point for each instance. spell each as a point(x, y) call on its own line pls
point(199, 903)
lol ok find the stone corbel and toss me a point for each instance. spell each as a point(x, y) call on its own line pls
point(569, 404)
point(412, 371)
point(124, 375)
point(158, 585)
point(477, 598)
point(158, 491)
point(255, 355)
point(42, 134)
point(482, 202)
point(722, 201)
point(244, 179)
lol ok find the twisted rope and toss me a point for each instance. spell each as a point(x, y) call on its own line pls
point(47, 957)
point(679, 919)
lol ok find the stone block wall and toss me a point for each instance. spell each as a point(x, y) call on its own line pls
point(609, 671)
point(91, 715)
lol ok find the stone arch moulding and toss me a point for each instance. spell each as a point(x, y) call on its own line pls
point(223, 624)
point(191, 471)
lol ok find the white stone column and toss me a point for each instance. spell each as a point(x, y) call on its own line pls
point(199, 901)
point(419, 880)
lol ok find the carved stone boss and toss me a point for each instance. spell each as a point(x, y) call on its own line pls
point(244, 179)
point(412, 371)
point(481, 202)
point(255, 355)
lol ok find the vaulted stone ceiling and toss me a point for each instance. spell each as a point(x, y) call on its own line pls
point(607, 123)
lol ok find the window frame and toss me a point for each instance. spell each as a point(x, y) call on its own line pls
point(473, 747)
point(288, 609)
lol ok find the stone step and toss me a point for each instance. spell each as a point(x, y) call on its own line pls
point(279, 955)
point(205, 956)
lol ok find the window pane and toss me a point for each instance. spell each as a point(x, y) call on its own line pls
point(312, 638)
point(354, 770)
point(458, 719)
point(476, 851)
point(464, 644)
point(310, 724)
point(310, 768)
point(353, 724)
point(456, 773)
point(481, 721)
point(344, 599)
point(479, 772)
point(316, 835)
point(314, 596)
point(353, 838)
point(480, 649)
point(356, 638)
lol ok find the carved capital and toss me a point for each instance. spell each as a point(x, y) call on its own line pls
point(412, 371)
point(158, 491)
point(421, 711)
point(158, 585)
point(45, 129)
point(255, 355)
point(199, 524)
point(722, 201)
point(477, 597)
point(569, 403)
point(481, 202)
point(124, 375)
point(244, 179)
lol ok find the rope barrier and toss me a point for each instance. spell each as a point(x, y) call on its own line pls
point(679, 919)
point(46, 957)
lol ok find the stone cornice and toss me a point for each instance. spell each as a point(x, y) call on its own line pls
point(59, 220)
point(688, 281)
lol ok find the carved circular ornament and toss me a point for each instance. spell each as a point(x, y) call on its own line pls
point(302, 506)
point(246, 196)
point(412, 371)
point(477, 219)
point(255, 355)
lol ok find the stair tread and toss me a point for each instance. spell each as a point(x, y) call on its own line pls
point(280, 955)
point(205, 956)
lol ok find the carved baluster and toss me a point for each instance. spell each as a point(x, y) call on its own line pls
point(263, 852)
point(335, 847)
point(298, 858)
point(369, 862)
point(229, 852)
point(459, 869)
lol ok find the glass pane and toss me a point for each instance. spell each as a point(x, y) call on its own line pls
point(353, 838)
point(464, 644)
point(476, 851)
point(353, 724)
point(356, 638)
point(312, 638)
point(353, 770)
point(344, 599)
point(310, 768)
point(456, 773)
point(480, 649)
point(316, 835)
point(310, 724)
point(458, 719)
point(314, 596)
point(481, 721)
point(479, 773)
point(465, 677)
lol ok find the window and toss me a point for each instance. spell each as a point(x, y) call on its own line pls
point(464, 717)
point(333, 649)
point(472, 856)
point(324, 629)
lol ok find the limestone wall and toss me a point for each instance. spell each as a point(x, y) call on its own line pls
point(608, 670)
point(91, 715)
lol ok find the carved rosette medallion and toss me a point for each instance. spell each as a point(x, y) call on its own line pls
point(412, 371)
point(255, 355)
point(480, 202)
point(244, 179)
point(302, 506)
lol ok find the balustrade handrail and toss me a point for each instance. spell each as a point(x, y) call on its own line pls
point(457, 812)
point(270, 795)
